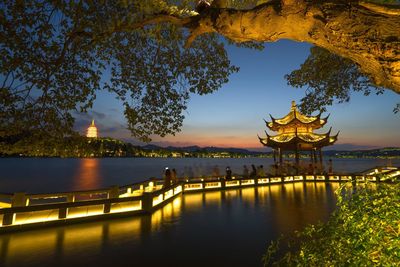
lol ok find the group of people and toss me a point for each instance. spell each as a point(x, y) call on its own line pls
point(255, 172)
point(312, 168)
point(287, 168)
point(170, 177)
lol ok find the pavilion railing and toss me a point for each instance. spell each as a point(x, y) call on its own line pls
point(20, 209)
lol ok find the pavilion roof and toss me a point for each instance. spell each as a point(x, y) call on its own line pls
point(297, 118)
point(290, 141)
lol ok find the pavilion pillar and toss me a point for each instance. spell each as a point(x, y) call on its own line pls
point(274, 153)
point(315, 156)
point(320, 160)
point(280, 157)
point(297, 160)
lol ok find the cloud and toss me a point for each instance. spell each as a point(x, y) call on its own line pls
point(98, 115)
point(90, 115)
point(114, 110)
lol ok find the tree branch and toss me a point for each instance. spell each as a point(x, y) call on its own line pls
point(351, 31)
point(382, 9)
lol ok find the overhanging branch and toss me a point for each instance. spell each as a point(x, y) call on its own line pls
point(382, 9)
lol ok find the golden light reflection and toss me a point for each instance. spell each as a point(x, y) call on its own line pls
point(213, 197)
point(17, 246)
point(295, 204)
point(88, 175)
point(66, 242)
point(231, 194)
point(124, 228)
point(92, 233)
point(288, 207)
point(193, 201)
point(169, 212)
point(248, 194)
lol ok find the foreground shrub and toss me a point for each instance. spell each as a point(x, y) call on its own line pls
point(363, 231)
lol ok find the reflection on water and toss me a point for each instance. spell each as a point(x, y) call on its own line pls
point(43, 175)
point(88, 175)
point(202, 226)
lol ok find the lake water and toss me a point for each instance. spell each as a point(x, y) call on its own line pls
point(39, 175)
point(227, 228)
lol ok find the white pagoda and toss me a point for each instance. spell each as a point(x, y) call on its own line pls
point(92, 131)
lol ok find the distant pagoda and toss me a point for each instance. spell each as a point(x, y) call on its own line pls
point(296, 133)
point(92, 131)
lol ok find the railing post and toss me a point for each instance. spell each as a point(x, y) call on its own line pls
point(147, 202)
point(113, 192)
point(70, 198)
point(8, 218)
point(62, 213)
point(223, 183)
point(19, 200)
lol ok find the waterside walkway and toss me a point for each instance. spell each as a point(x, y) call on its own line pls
point(20, 211)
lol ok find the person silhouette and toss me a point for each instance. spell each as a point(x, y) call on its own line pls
point(245, 172)
point(167, 177)
point(228, 175)
point(253, 173)
point(174, 177)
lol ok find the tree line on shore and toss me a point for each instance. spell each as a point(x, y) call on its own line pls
point(81, 146)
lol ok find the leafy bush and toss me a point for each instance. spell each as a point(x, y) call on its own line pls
point(363, 231)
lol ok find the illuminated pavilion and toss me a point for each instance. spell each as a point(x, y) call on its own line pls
point(92, 131)
point(296, 133)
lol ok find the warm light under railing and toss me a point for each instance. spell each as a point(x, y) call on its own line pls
point(23, 209)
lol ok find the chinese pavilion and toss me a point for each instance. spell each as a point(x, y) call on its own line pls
point(92, 131)
point(296, 133)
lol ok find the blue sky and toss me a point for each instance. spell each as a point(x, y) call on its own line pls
point(233, 116)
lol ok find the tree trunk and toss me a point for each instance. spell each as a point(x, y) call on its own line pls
point(369, 37)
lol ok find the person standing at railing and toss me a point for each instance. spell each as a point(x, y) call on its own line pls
point(228, 175)
point(174, 176)
point(260, 171)
point(167, 177)
point(253, 173)
point(245, 172)
point(215, 172)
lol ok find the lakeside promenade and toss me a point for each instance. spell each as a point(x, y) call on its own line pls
point(22, 211)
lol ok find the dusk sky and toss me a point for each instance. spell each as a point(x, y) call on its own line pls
point(233, 116)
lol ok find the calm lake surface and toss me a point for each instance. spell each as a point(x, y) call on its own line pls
point(227, 228)
point(40, 175)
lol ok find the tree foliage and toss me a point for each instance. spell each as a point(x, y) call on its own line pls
point(55, 53)
point(363, 231)
point(327, 78)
